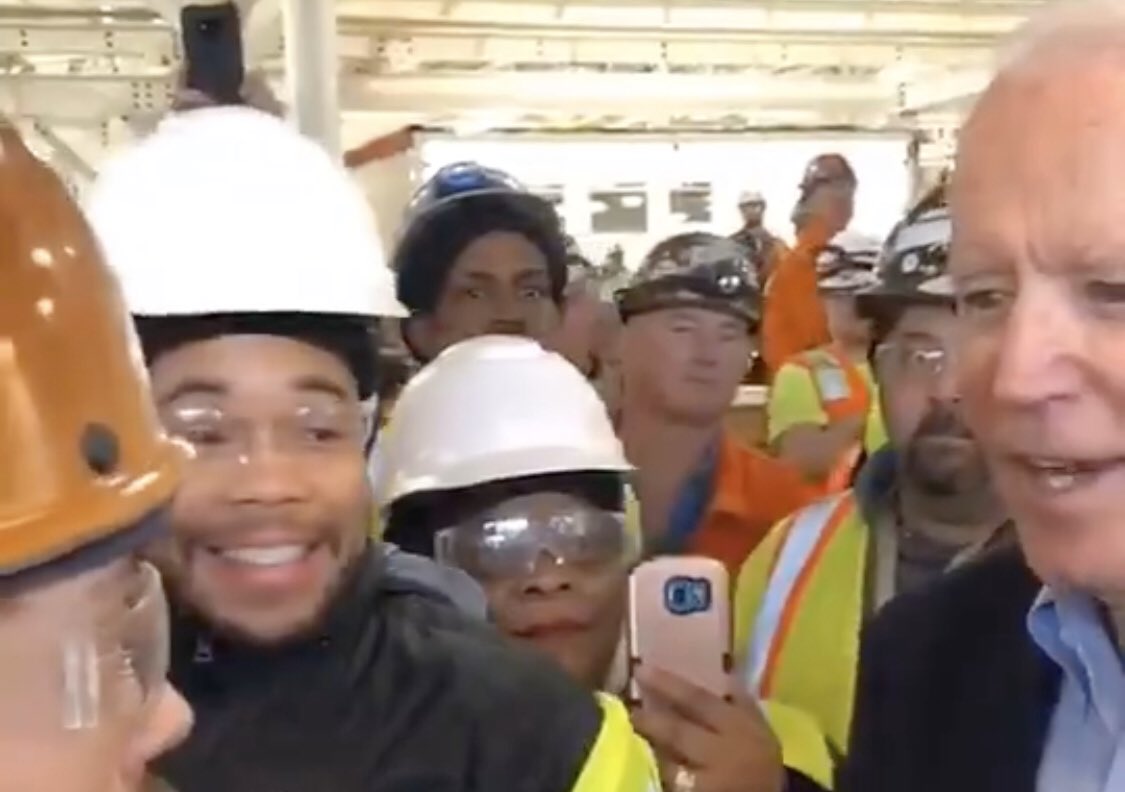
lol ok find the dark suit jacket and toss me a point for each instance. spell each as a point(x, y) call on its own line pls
point(953, 695)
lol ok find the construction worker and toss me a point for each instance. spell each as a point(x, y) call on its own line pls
point(478, 254)
point(823, 410)
point(765, 248)
point(87, 473)
point(527, 490)
point(312, 661)
point(919, 505)
point(492, 477)
point(690, 317)
point(793, 318)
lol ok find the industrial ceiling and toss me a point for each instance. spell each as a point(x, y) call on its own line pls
point(87, 75)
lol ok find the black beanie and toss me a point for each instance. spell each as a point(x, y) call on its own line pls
point(426, 253)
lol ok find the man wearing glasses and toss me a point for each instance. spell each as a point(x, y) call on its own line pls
point(919, 506)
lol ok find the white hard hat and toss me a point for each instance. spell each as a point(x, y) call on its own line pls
point(231, 210)
point(489, 409)
point(847, 263)
point(749, 197)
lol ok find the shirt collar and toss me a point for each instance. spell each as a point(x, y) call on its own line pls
point(1070, 630)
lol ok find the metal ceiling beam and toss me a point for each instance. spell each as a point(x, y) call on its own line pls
point(948, 93)
point(453, 28)
point(117, 14)
point(58, 99)
point(392, 47)
point(966, 8)
point(619, 93)
point(943, 8)
point(148, 42)
point(415, 52)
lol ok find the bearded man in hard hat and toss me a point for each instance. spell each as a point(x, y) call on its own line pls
point(793, 318)
point(313, 663)
point(919, 507)
point(531, 498)
point(85, 479)
point(479, 253)
point(691, 314)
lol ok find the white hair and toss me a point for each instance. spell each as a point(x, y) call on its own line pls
point(1067, 28)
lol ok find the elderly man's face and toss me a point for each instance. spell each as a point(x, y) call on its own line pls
point(1039, 263)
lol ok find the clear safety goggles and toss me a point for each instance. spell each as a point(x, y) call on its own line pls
point(215, 435)
point(514, 540)
point(84, 659)
point(920, 361)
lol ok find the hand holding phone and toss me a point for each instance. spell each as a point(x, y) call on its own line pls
point(707, 743)
point(679, 622)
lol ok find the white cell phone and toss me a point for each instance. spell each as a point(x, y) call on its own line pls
point(679, 621)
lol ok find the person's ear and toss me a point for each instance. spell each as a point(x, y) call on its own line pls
point(421, 337)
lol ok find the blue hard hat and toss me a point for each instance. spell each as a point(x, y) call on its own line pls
point(440, 205)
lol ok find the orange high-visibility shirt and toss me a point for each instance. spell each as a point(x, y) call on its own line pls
point(793, 318)
point(751, 492)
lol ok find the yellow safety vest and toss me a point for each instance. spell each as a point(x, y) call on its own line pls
point(623, 762)
point(620, 760)
point(799, 607)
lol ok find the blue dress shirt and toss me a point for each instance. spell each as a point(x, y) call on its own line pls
point(1085, 750)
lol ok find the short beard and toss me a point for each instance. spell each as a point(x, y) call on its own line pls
point(955, 494)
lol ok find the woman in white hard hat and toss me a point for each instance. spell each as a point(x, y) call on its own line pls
point(535, 469)
point(527, 489)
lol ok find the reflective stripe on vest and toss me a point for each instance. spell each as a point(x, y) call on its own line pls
point(828, 363)
point(809, 533)
point(840, 387)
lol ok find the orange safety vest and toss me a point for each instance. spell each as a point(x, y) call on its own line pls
point(843, 392)
point(801, 601)
point(806, 587)
point(810, 534)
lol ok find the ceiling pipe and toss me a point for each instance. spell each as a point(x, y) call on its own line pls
point(395, 27)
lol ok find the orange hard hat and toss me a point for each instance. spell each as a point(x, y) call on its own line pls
point(82, 455)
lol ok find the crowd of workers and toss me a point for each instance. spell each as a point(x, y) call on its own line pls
point(207, 583)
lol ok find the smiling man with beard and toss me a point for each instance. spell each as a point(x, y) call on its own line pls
point(919, 506)
point(252, 268)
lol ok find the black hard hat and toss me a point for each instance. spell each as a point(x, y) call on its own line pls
point(846, 265)
point(914, 263)
point(695, 270)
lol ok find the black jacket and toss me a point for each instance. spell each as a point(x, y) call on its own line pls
point(953, 695)
point(398, 693)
